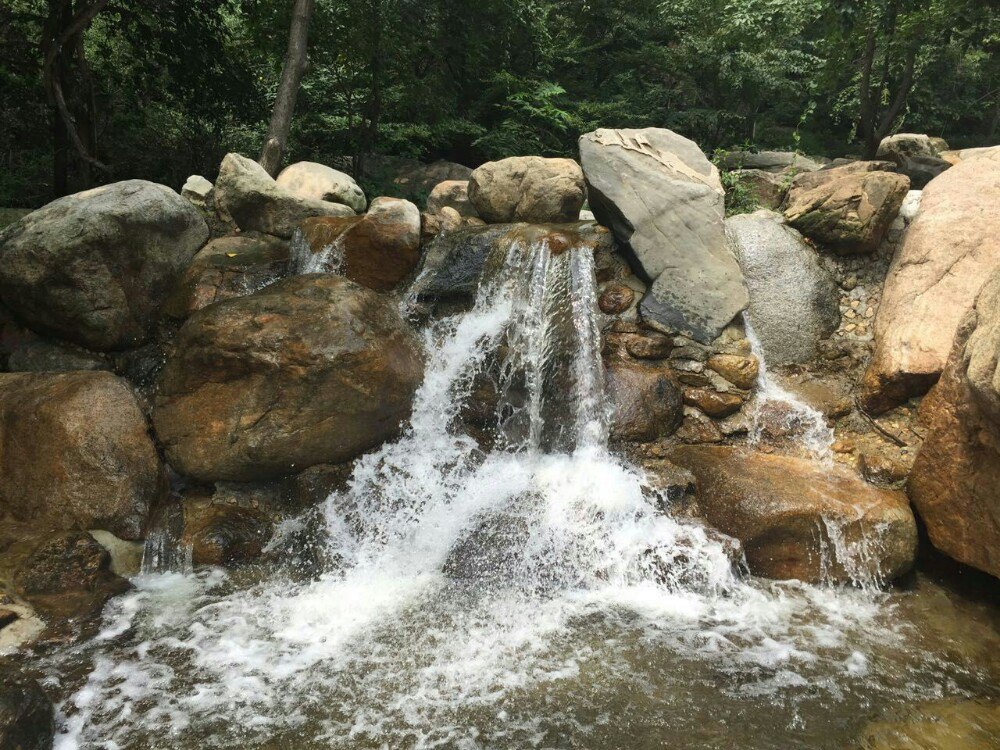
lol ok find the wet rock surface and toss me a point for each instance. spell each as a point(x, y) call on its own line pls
point(313, 369)
point(802, 519)
point(228, 267)
point(27, 717)
point(95, 268)
point(646, 401)
point(377, 250)
point(76, 453)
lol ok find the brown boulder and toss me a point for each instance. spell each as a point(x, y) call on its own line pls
point(615, 299)
point(312, 369)
point(228, 267)
point(377, 250)
point(713, 403)
point(738, 370)
point(848, 208)
point(75, 453)
point(528, 188)
point(949, 251)
point(222, 534)
point(71, 561)
point(955, 481)
point(796, 517)
point(646, 402)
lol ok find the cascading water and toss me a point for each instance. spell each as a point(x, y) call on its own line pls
point(772, 403)
point(526, 595)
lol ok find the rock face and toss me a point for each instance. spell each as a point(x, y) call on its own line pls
point(767, 188)
point(71, 561)
point(796, 517)
point(377, 250)
point(257, 203)
point(224, 534)
point(528, 188)
point(454, 263)
point(96, 267)
point(769, 161)
point(75, 453)
point(848, 208)
point(318, 182)
point(313, 369)
point(949, 251)
point(451, 194)
point(794, 300)
point(27, 718)
point(914, 155)
point(646, 402)
point(228, 267)
point(955, 481)
point(665, 204)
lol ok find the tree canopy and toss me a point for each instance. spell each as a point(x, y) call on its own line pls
point(163, 90)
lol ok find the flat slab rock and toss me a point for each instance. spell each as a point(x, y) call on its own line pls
point(801, 519)
point(664, 202)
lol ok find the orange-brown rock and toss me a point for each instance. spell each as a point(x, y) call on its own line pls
point(955, 481)
point(377, 250)
point(949, 251)
point(615, 299)
point(228, 267)
point(713, 403)
point(801, 519)
point(738, 370)
point(221, 534)
point(312, 369)
point(75, 453)
point(847, 209)
point(646, 401)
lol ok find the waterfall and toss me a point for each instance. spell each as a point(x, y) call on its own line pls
point(329, 259)
point(772, 403)
point(484, 592)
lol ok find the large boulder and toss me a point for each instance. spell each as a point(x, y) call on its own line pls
point(794, 300)
point(96, 267)
point(765, 189)
point(451, 194)
point(76, 453)
point(914, 155)
point(847, 209)
point(802, 519)
point(245, 191)
point(228, 267)
point(528, 188)
point(454, 263)
point(27, 717)
point(318, 182)
point(665, 203)
point(377, 250)
point(646, 401)
point(950, 249)
point(955, 481)
point(312, 369)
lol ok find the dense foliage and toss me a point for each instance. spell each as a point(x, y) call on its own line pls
point(165, 89)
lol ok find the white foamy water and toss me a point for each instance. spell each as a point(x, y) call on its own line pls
point(773, 405)
point(506, 598)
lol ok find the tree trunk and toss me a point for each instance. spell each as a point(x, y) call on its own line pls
point(294, 67)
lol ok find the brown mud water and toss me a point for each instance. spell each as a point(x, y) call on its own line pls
point(531, 594)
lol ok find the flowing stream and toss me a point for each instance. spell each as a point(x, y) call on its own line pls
point(528, 594)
